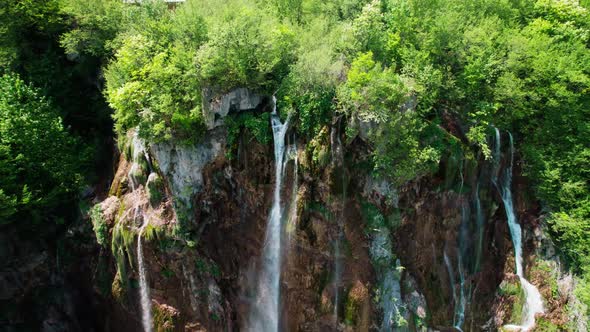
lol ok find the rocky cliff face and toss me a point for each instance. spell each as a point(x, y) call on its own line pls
point(361, 254)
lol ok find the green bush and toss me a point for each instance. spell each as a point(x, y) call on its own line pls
point(99, 225)
point(155, 89)
point(155, 189)
point(39, 168)
point(246, 46)
point(375, 95)
point(258, 125)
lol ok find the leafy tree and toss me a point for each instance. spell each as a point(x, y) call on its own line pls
point(38, 164)
point(371, 92)
point(156, 89)
point(245, 46)
point(382, 100)
point(96, 24)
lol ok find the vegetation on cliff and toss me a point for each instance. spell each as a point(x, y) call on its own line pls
point(520, 65)
point(412, 78)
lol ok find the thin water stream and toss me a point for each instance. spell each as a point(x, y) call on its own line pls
point(533, 300)
point(338, 162)
point(146, 314)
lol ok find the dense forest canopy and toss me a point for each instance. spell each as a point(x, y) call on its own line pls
point(402, 65)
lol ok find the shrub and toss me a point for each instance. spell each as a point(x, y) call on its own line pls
point(99, 225)
point(38, 163)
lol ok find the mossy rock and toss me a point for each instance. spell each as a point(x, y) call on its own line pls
point(165, 318)
point(138, 175)
point(99, 225)
point(513, 290)
point(355, 299)
point(545, 325)
point(155, 189)
point(118, 289)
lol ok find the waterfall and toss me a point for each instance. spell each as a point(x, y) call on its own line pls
point(497, 157)
point(464, 240)
point(292, 214)
point(459, 300)
point(460, 310)
point(338, 162)
point(265, 316)
point(146, 315)
point(388, 278)
point(533, 300)
point(451, 274)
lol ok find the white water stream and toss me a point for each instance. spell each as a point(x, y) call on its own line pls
point(146, 314)
point(338, 162)
point(533, 300)
point(265, 315)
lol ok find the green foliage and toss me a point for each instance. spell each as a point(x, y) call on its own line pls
point(155, 189)
point(122, 246)
point(19, 16)
point(155, 89)
point(164, 60)
point(99, 225)
point(352, 307)
point(406, 74)
point(309, 89)
point(520, 65)
point(96, 24)
point(318, 148)
point(30, 46)
point(545, 325)
point(246, 46)
point(376, 97)
point(374, 219)
point(258, 125)
point(401, 151)
point(38, 166)
point(371, 92)
point(164, 320)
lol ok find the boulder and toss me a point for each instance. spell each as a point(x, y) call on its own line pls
point(215, 109)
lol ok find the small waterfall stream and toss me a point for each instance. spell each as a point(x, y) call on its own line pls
point(265, 315)
point(140, 151)
point(388, 277)
point(463, 243)
point(451, 273)
point(338, 162)
point(146, 314)
point(291, 222)
point(533, 300)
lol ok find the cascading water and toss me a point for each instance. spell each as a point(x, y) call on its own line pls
point(265, 315)
point(533, 300)
point(291, 223)
point(463, 239)
point(139, 152)
point(146, 315)
point(389, 276)
point(451, 273)
point(338, 161)
point(460, 310)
